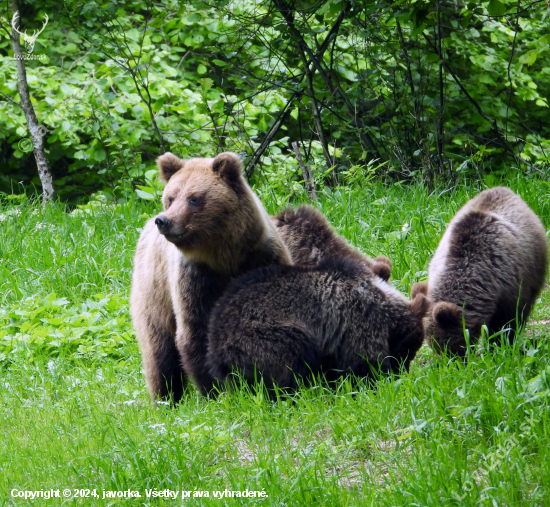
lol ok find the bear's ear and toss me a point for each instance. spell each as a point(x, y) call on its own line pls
point(169, 165)
point(419, 288)
point(447, 315)
point(228, 166)
point(382, 267)
point(420, 305)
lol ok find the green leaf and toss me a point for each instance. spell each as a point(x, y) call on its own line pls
point(206, 83)
point(496, 8)
point(530, 57)
point(201, 69)
point(169, 70)
point(81, 155)
point(138, 110)
point(193, 18)
point(132, 34)
point(65, 88)
point(145, 195)
point(99, 155)
point(418, 30)
point(159, 103)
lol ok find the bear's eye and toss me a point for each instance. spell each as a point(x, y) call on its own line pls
point(170, 201)
point(194, 200)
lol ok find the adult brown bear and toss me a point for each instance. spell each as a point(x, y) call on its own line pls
point(213, 228)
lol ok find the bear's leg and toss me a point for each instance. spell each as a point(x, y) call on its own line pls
point(197, 290)
point(153, 317)
point(192, 343)
point(419, 288)
point(276, 353)
point(168, 373)
point(161, 361)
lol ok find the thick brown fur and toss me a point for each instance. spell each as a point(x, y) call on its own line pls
point(213, 228)
point(284, 322)
point(489, 268)
point(310, 238)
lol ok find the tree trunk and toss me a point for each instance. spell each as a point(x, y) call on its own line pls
point(32, 122)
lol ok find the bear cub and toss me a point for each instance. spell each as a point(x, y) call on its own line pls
point(338, 317)
point(213, 228)
point(489, 268)
point(310, 238)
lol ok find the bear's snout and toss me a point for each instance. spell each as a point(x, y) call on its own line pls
point(162, 223)
point(173, 231)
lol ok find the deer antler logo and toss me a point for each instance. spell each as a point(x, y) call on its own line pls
point(29, 39)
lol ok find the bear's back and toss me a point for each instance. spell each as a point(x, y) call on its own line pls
point(493, 234)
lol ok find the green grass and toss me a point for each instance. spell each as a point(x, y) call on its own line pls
point(75, 413)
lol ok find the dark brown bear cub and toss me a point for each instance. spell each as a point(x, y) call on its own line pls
point(213, 228)
point(284, 322)
point(310, 239)
point(489, 268)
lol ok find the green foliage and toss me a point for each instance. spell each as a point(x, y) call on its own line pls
point(124, 80)
point(51, 326)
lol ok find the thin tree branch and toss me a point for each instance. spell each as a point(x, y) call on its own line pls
point(11, 100)
point(494, 128)
point(440, 140)
point(249, 169)
point(135, 72)
point(315, 111)
point(5, 28)
point(286, 12)
point(77, 60)
point(516, 29)
point(306, 172)
point(498, 141)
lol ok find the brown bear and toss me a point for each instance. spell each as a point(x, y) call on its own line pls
point(310, 239)
point(338, 317)
point(489, 268)
point(213, 228)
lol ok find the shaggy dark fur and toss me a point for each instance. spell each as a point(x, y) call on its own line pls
point(489, 268)
point(310, 239)
point(284, 322)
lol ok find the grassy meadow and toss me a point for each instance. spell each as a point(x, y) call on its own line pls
point(75, 413)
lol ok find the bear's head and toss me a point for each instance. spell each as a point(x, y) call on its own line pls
point(445, 328)
point(204, 200)
point(445, 324)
